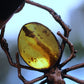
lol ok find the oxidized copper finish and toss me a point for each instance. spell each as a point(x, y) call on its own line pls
point(55, 75)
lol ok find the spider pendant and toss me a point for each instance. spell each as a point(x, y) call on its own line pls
point(34, 48)
point(47, 51)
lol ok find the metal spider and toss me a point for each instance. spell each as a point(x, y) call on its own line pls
point(54, 75)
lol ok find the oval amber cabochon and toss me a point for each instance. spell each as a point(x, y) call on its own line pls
point(38, 46)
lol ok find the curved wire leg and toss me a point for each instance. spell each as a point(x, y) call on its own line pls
point(57, 19)
point(71, 49)
point(70, 58)
point(74, 79)
point(19, 71)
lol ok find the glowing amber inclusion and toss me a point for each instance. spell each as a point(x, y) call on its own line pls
point(38, 46)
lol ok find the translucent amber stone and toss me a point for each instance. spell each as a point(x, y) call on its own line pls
point(38, 46)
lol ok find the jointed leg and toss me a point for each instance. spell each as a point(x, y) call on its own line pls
point(73, 68)
point(74, 79)
point(71, 49)
point(19, 70)
point(77, 66)
point(57, 19)
point(4, 46)
point(66, 61)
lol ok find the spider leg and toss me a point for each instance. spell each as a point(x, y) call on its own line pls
point(70, 58)
point(57, 19)
point(71, 77)
point(54, 15)
point(74, 79)
point(19, 70)
point(4, 46)
point(37, 79)
point(74, 67)
point(71, 49)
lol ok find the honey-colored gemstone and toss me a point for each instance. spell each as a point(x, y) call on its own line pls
point(38, 46)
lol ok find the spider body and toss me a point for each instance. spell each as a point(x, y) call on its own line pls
point(38, 46)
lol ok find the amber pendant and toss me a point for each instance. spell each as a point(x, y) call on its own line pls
point(38, 46)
